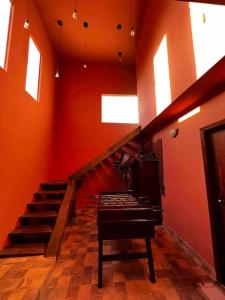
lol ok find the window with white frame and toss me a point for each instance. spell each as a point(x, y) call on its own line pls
point(33, 70)
point(120, 109)
point(5, 12)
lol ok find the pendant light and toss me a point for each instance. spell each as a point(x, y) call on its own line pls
point(132, 30)
point(26, 23)
point(85, 25)
point(57, 72)
point(74, 15)
point(119, 53)
point(60, 24)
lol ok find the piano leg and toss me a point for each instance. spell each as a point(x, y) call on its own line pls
point(150, 260)
point(100, 250)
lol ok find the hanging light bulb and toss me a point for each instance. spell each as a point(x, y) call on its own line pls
point(74, 15)
point(57, 74)
point(119, 27)
point(132, 32)
point(119, 54)
point(26, 24)
point(85, 25)
point(60, 24)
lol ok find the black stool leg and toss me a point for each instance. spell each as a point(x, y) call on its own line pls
point(150, 260)
point(100, 263)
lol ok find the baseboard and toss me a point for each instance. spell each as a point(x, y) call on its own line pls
point(190, 251)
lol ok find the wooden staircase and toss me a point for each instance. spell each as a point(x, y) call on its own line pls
point(37, 223)
point(41, 227)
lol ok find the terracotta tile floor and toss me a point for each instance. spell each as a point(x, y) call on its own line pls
point(74, 276)
point(22, 278)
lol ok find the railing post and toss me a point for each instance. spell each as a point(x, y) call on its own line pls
point(56, 238)
point(72, 215)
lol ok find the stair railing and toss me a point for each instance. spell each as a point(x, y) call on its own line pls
point(91, 165)
point(66, 214)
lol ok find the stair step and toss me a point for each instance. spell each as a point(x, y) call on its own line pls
point(31, 234)
point(58, 194)
point(39, 205)
point(54, 185)
point(40, 214)
point(23, 250)
point(39, 217)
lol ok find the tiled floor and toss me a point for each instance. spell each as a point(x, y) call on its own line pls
point(74, 276)
point(21, 278)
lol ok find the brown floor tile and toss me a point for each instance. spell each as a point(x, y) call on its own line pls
point(75, 275)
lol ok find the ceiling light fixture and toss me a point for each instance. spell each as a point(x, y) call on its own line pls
point(74, 15)
point(132, 31)
point(60, 24)
point(57, 72)
point(26, 22)
point(119, 53)
point(85, 25)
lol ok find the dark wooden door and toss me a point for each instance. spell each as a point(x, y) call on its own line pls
point(214, 143)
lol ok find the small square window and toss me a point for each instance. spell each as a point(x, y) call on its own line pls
point(120, 109)
point(33, 70)
point(5, 11)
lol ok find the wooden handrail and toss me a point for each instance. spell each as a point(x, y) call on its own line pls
point(61, 222)
point(81, 172)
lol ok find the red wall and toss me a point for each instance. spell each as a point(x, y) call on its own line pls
point(185, 202)
point(80, 134)
point(25, 125)
point(171, 18)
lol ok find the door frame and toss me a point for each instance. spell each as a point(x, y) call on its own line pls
point(211, 192)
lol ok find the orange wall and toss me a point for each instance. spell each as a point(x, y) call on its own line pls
point(25, 125)
point(171, 18)
point(185, 201)
point(80, 134)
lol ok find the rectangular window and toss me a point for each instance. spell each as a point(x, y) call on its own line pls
point(5, 10)
point(162, 77)
point(190, 114)
point(120, 109)
point(33, 70)
point(208, 31)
